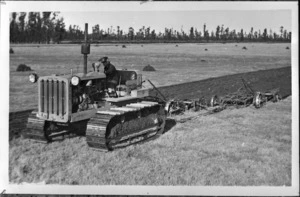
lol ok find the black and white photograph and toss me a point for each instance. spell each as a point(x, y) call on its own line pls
point(149, 98)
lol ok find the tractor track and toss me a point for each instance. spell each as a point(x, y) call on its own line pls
point(112, 129)
point(109, 129)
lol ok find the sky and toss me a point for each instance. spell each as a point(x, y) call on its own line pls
point(158, 20)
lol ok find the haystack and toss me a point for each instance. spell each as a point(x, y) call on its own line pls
point(149, 68)
point(245, 48)
point(23, 67)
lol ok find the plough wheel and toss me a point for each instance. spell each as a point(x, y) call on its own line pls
point(214, 101)
point(257, 100)
point(276, 98)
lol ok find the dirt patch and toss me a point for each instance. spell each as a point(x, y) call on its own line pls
point(263, 81)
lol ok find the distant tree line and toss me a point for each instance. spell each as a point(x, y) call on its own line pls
point(37, 27)
point(48, 27)
point(221, 34)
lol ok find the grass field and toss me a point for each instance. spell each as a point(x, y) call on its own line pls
point(187, 62)
point(236, 147)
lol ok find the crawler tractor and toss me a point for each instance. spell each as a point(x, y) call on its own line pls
point(78, 104)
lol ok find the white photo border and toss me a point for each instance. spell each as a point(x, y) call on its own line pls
point(7, 7)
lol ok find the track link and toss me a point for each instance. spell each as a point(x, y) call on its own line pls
point(46, 131)
point(35, 128)
point(122, 126)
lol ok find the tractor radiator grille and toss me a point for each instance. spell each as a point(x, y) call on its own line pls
point(53, 97)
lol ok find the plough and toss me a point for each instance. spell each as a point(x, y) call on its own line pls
point(244, 97)
point(261, 98)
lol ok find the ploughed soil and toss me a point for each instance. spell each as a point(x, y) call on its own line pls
point(263, 81)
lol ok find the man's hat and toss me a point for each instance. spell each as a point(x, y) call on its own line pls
point(103, 59)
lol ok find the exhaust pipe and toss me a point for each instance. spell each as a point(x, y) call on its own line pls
point(85, 49)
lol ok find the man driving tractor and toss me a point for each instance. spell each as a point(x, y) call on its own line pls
point(112, 76)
